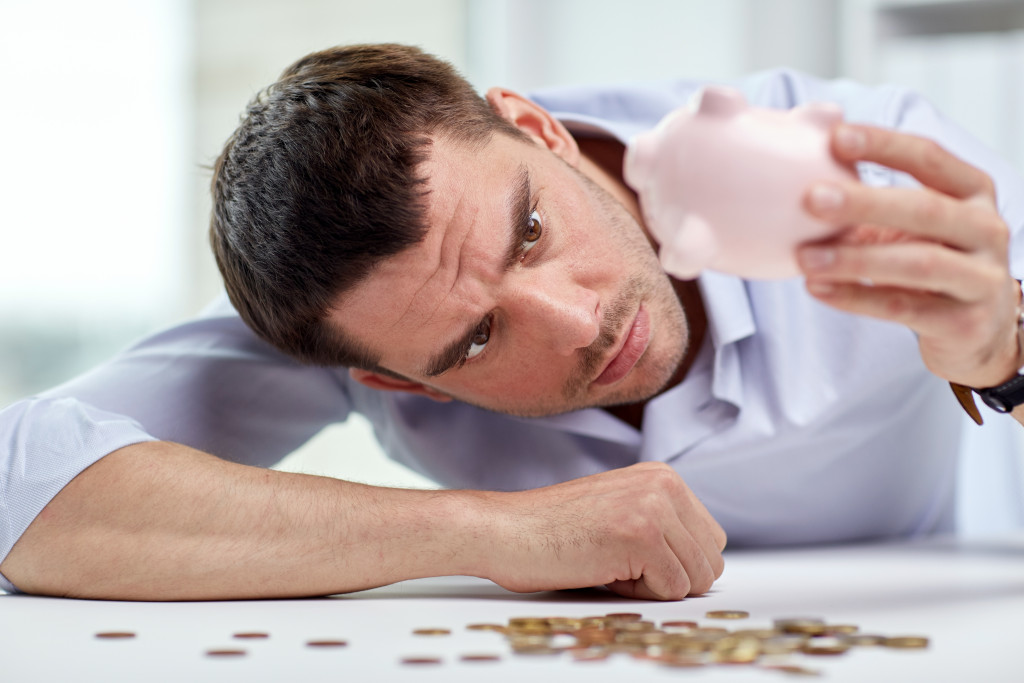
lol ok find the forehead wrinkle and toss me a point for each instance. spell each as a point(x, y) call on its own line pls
point(447, 255)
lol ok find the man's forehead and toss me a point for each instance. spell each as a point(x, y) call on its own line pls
point(403, 293)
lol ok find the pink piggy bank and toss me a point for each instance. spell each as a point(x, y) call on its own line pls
point(721, 185)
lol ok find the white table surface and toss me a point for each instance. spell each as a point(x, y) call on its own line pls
point(967, 596)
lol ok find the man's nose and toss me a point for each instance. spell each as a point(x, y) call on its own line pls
point(562, 315)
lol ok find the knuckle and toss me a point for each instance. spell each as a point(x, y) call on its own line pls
point(924, 265)
point(897, 306)
point(932, 155)
point(928, 210)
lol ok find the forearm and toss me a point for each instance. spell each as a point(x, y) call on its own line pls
point(160, 521)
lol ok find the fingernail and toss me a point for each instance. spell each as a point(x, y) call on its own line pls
point(816, 258)
point(826, 197)
point(820, 288)
point(851, 140)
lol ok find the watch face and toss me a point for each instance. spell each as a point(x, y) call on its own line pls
point(996, 403)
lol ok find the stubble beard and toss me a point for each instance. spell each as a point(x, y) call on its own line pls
point(649, 284)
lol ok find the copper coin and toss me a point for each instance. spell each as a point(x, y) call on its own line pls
point(624, 616)
point(432, 632)
point(327, 643)
point(113, 635)
point(253, 634)
point(480, 658)
point(421, 660)
point(225, 653)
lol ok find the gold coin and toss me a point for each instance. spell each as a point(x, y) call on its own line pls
point(528, 622)
point(791, 669)
point(252, 634)
point(480, 658)
point(826, 645)
point(115, 635)
point(811, 627)
point(907, 642)
point(327, 643)
point(225, 653)
point(432, 632)
point(865, 640)
point(679, 624)
point(421, 660)
point(486, 627)
point(727, 614)
point(841, 629)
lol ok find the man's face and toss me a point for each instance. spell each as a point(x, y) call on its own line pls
point(534, 292)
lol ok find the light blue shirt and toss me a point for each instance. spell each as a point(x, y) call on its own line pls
point(796, 424)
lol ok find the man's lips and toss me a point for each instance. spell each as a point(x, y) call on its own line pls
point(627, 355)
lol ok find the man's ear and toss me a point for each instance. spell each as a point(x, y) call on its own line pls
point(536, 122)
point(380, 382)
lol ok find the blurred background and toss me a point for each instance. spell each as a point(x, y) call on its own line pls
point(112, 111)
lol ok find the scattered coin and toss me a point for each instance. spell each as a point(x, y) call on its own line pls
point(225, 653)
point(679, 624)
point(432, 632)
point(252, 635)
point(865, 640)
point(624, 616)
point(792, 669)
point(727, 614)
point(907, 642)
point(480, 658)
point(421, 660)
point(115, 635)
point(486, 627)
point(840, 629)
point(327, 643)
point(811, 627)
point(825, 645)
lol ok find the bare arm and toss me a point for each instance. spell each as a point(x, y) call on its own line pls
point(161, 521)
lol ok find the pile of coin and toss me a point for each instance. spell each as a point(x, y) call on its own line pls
point(686, 643)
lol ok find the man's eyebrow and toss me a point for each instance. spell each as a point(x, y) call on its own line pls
point(519, 214)
point(517, 203)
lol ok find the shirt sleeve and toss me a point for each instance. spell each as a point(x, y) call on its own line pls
point(209, 383)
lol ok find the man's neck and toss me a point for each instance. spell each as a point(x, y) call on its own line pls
point(602, 162)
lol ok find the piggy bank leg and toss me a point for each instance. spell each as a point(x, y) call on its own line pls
point(690, 250)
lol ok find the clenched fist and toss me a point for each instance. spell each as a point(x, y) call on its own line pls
point(639, 530)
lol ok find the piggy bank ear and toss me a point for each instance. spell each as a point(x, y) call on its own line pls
point(822, 114)
point(719, 101)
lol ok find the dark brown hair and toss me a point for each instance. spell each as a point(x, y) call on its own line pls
point(319, 183)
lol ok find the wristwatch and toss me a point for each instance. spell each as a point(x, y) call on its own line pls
point(1004, 397)
point(1008, 395)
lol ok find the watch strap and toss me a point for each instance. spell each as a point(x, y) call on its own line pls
point(965, 395)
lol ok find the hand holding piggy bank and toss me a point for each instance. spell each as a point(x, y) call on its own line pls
point(721, 186)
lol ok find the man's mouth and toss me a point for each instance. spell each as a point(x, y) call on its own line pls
point(629, 351)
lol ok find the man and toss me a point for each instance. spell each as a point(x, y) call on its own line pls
point(484, 274)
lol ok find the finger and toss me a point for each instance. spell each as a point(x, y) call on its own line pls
point(924, 312)
point(704, 529)
point(969, 226)
point(695, 562)
point(706, 533)
point(662, 577)
point(922, 158)
point(923, 266)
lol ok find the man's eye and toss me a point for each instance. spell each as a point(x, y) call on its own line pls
point(480, 339)
point(534, 228)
